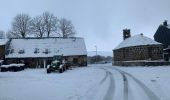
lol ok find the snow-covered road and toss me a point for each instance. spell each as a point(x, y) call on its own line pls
point(95, 82)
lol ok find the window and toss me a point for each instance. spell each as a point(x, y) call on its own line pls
point(11, 51)
point(21, 51)
point(36, 50)
point(46, 51)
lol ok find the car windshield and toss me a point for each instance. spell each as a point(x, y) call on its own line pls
point(55, 63)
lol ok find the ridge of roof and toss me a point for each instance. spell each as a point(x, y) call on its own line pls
point(136, 40)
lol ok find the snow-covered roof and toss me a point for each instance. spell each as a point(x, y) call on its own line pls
point(136, 40)
point(3, 41)
point(46, 47)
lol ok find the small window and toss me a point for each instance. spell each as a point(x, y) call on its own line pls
point(36, 51)
point(21, 51)
point(11, 51)
point(46, 51)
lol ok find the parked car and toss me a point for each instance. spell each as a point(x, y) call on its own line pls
point(12, 67)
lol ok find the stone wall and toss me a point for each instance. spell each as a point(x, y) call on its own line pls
point(146, 52)
point(141, 63)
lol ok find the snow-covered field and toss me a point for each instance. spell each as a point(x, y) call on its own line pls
point(95, 82)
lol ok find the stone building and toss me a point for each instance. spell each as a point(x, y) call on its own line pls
point(138, 47)
point(39, 52)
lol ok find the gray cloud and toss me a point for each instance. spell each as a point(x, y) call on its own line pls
point(100, 22)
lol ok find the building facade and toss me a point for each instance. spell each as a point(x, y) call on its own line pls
point(145, 52)
point(138, 47)
point(39, 52)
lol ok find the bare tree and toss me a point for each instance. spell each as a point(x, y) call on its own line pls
point(50, 23)
point(38, 26)
point(11, 34)
point(2, 34)
point(66, 28)
point(20, 26)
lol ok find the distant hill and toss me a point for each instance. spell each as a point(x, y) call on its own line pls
point(102, 53)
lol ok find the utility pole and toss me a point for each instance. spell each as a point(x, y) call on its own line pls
point(96, 53)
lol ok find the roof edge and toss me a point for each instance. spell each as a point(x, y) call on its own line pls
point(49, 38)
point(137, 46)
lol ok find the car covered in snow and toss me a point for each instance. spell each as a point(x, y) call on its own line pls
point(12, 67)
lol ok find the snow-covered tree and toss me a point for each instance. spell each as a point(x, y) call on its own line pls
point(38, 26)
point(20, 26)
point(2, 34)
point(50, 23)
point(66, 28)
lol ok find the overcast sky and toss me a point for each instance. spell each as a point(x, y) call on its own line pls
point(100, 22)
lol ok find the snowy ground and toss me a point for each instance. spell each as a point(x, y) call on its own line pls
point(95, 82)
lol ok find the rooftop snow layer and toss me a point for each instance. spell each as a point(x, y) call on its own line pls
point(3, 41)
point(23, 48)
point(136, 41)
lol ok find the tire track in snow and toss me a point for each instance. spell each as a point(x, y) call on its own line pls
point(110, 92)
point(151, 95)
point(104, 79)
point(125, 86)
point(91, 92)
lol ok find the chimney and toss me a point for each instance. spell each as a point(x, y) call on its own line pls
point(126, 34)
point(165, 23)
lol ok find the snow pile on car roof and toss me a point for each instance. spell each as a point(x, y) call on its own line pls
point(136, 40)
point(46, 47)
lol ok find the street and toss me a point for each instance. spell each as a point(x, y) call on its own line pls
point(95, 82)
